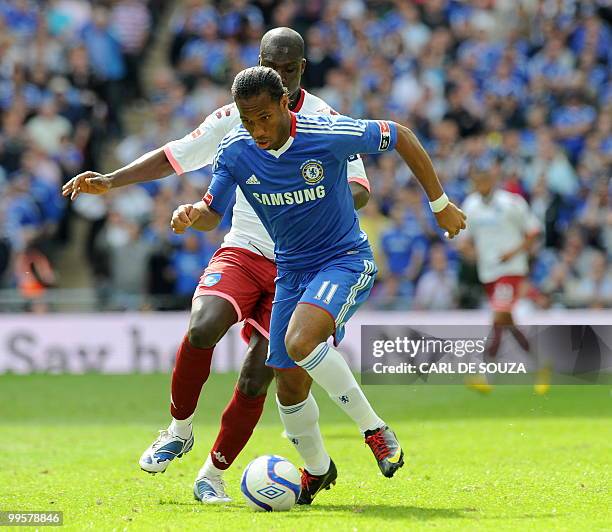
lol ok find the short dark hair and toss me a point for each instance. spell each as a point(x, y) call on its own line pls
point(257, 80)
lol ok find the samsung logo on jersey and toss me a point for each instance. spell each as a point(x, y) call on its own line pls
point(291, 198)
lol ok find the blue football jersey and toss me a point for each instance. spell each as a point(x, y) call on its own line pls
point(300, 191)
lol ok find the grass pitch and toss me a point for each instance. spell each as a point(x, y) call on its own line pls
point(511, 460)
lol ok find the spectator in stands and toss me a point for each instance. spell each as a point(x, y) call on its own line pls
point(13, 141)
point(106, 58)
point(572, 263)
point(415, 34)
point(571, 123)
point(595, 289)
point(47, 129)
point(552, 163)
point(404, 247)
point(437, 287)
point(468, 123)
point(187, 261)
point(161, 275)
point(68, 17)
point(595, 214)
point(320, 58)
point(131, 22)
point(375, 224)
point(129, 256)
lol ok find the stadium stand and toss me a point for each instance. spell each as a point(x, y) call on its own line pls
point(521, 87)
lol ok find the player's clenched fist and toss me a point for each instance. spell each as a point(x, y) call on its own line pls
point(183, 217)
point(451, 219)
point(87, 182)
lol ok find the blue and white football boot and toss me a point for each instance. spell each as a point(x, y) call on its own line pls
point(210, 490)
point(163, 450)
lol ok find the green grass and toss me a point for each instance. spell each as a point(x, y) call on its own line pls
point(511, 460)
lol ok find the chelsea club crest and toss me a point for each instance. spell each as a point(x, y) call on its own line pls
point(312, 171)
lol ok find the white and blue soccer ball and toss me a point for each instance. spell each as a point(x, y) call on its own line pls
point(270, 483)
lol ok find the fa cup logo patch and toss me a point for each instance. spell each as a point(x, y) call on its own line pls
point(312, 171)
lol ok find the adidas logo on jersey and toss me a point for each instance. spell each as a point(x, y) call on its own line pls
point(253, 180)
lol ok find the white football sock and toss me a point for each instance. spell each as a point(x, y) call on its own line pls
point(210, 470)
point(329, 370)
point(301, 423)
point(181, 427)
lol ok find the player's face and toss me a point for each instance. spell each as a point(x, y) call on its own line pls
point(483, 183)
point(289, 69)
point(267, 120)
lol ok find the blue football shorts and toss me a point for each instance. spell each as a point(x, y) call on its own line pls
point(339, 288)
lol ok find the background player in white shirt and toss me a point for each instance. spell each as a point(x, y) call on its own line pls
point(237, 285)
point(503, 230)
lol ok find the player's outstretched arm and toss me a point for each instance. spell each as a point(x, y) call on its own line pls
point(449, 216)
point(195, 150)
point(198, 216)
point(152, 165)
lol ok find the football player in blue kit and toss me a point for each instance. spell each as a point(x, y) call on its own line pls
point(292, 170)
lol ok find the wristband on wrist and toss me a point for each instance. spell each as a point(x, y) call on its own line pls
point(440, 203)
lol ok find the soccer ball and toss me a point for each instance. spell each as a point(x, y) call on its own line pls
point(270, 483)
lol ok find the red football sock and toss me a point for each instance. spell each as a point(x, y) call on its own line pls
point(495, 341)
point(191, 371)
point(520, 338)
point(237, 423)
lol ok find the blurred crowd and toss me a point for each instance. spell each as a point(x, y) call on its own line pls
point(523, 87)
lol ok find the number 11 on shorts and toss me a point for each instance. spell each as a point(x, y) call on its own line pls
point(330, 293)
